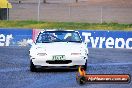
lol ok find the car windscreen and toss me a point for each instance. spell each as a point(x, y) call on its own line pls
point(58, 36)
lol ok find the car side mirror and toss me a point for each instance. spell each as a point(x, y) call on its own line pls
point(86, 42)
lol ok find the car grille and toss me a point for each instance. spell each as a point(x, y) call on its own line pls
point(58, 61)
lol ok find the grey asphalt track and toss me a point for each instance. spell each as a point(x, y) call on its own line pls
point(15, 73)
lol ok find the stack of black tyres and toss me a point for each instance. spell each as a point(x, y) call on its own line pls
point(3, 13)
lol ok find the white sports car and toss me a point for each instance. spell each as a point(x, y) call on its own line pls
point(58, 49)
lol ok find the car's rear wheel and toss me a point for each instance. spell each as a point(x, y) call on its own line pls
point(32, 67)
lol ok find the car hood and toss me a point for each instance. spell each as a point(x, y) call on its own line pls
point(59, 47)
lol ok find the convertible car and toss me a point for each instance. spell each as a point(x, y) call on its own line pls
point(58, 49)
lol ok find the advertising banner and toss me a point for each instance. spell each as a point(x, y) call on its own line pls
point(107, 39)
point(93, 38)
point(15, 37)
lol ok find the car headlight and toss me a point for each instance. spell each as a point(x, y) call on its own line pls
point(42, 54)
point(75, 53)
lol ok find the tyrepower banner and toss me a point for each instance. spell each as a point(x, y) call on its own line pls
point(94, 39)
point(15, 37)
point(107, 39)
point(102, 39)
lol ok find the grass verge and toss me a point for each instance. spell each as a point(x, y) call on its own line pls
point(65, 25)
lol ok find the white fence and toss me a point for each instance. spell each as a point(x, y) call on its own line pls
point(69, 10)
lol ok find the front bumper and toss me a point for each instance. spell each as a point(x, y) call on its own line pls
point(69, 61)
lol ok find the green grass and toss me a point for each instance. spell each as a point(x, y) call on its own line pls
point(65, 25)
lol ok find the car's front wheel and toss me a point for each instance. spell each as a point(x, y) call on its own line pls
point(81, 80)
point(85, 66)
point(32, 67)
